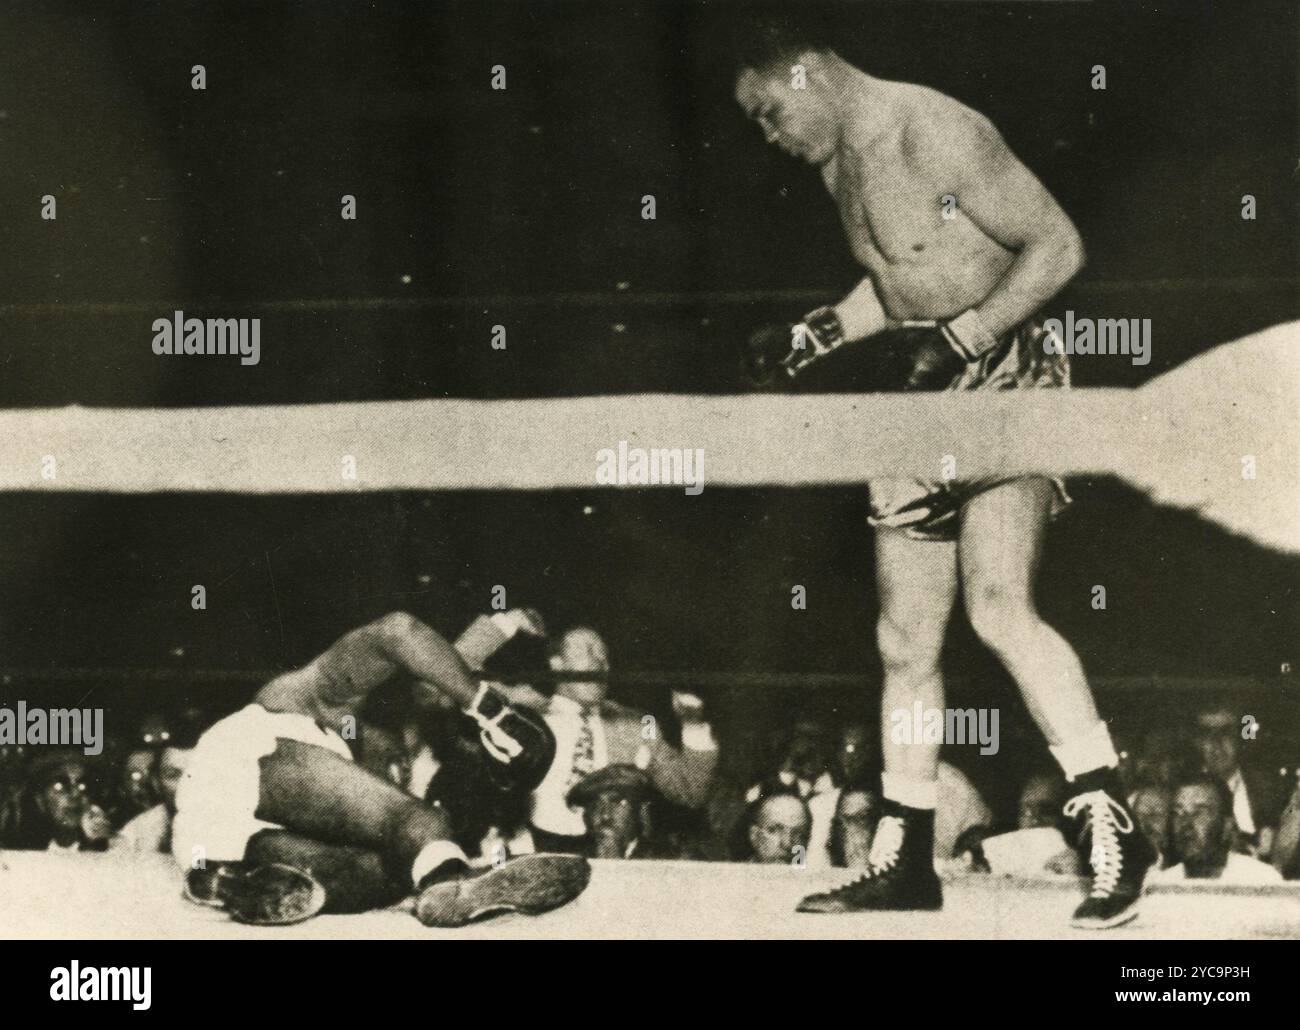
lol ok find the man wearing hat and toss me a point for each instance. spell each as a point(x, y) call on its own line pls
point(615, 803)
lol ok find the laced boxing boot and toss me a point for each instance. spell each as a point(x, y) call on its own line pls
point(1118, 855)
point(900, 873)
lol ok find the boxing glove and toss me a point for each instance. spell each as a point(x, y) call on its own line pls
point(518, 746)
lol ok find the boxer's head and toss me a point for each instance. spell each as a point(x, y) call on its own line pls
point(788, 80)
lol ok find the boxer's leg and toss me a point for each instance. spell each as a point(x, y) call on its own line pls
point(319, 795)
point(1001, 542)
point(354, 878)
point(918, 584)
point(999, 549)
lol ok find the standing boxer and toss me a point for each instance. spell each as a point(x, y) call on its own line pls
point(962, 246)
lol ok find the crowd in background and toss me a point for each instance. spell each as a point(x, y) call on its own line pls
point(624, 787)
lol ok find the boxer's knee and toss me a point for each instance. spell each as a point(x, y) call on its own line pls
point(411, 825)
point(911, 644)
point(1004, 618)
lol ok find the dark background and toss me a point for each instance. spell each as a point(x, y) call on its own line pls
point(523, 207)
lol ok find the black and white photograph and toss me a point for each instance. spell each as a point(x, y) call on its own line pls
point(651, 470)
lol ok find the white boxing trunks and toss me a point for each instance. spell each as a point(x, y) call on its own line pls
point(217, 798)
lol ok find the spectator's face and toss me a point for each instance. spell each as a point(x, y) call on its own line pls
point(171, 766)
point(1201, 827)
point(1151, 807)
point(581, 650)
point(136, 783)
point(614, 822)
point(1040, 804)
point(1216, 740)
point(855, 823)
point(807, 757)
point(856, 752)
point(155, 733)
point(63, 798)
point(780, 826)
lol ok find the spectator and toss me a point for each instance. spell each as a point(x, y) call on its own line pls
point(151, 830)
point(800, 762)
point(1040, 801)
point(1164, 756)
point(1286, 847)
point(616, 809)
point(856, 760)
point(1151, 807)
point(853, 827)
point(134, 790)
point(56, 811)
point(1256, 804)
point(1203, 833)
point(592, 732)
point(1037, 845)
point(776, 832)
point(155, 732)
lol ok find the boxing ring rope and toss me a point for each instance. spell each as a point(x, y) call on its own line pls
point(111, 678)
point(1185, 438)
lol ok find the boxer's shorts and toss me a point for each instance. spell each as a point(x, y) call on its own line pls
point(219, 791)
point(930, 510)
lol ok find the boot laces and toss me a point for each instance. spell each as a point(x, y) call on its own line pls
point(1104, 819)
point(885, 848)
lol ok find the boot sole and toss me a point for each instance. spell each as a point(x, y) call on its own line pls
point(258, 899)
point(1127, 916)
point(530, 884)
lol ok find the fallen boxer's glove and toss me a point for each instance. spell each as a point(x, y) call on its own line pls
point(518, 745)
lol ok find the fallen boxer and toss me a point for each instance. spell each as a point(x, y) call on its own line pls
point(276, 822)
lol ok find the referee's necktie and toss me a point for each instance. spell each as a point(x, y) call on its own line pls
point(584, 750)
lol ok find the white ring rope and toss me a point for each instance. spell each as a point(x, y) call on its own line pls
point(1220, 435)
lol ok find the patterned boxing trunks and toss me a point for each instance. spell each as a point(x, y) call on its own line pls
point(930, 510)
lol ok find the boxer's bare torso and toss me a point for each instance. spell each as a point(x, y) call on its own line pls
point(893, 183)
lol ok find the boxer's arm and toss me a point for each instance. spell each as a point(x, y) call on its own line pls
point(366, 657)
point(861, 313)
point(963, 150)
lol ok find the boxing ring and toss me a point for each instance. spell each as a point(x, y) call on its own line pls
point(117, 896)
point(1186, 439)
